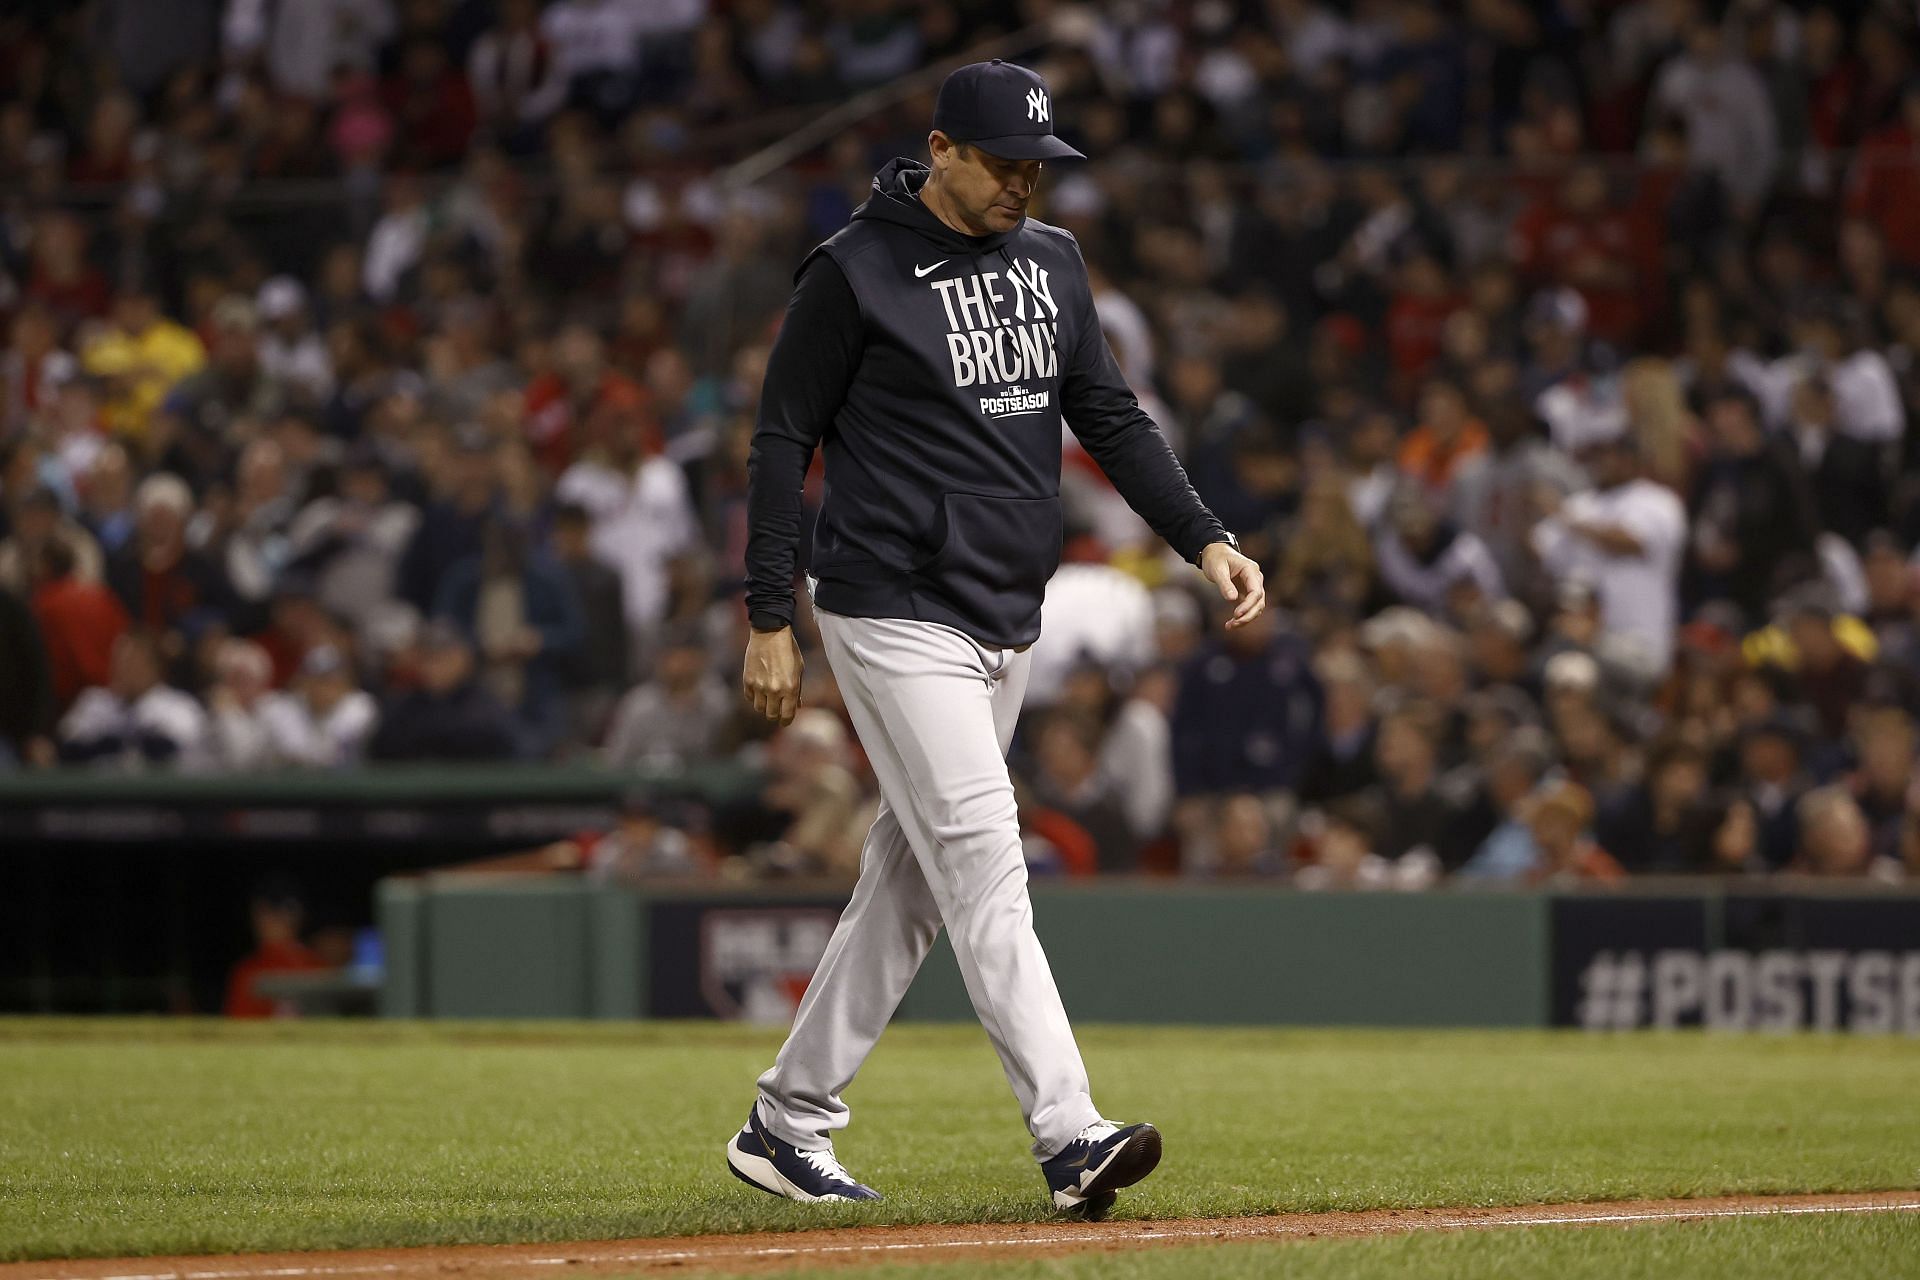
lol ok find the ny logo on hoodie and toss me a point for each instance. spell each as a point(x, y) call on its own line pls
point(1001, 337)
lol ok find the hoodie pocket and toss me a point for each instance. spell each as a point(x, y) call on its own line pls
point(993, 556)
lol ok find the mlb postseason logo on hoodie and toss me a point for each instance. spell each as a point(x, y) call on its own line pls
point(1002, 331)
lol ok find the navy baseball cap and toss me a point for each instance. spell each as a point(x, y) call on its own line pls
point(1002, 108)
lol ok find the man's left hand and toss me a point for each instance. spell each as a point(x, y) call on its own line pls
point(1239, 581)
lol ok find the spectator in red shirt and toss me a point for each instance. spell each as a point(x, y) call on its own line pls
point(1415, 319)
point(108, 155)
point(1833, 76)
point(79, 621)
point(60, 276)
point(1581, 238)
point(1884, 187)
point(277, 949)
point(33, 367)
point(432, 105)
point(581, 403)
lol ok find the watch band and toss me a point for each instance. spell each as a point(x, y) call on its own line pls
point(1231, 539)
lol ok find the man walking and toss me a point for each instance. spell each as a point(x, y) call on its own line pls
point(933, 347)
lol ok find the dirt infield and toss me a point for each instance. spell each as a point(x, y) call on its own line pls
point(732, 1255)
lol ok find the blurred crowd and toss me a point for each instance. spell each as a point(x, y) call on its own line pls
point(378, 378)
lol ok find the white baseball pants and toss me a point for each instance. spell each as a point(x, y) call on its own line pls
point(935, 711)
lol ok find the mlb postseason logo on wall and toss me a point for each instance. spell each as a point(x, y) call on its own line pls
point(1748, 963)
point(755, 964)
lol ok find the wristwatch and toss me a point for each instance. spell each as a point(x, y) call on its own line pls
point(1231, 540)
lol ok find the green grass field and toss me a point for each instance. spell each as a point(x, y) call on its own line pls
point(1874, 1248)
point(144, 1137)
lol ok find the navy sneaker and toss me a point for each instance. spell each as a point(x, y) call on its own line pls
point(1100, 1160)
point(779, 1168)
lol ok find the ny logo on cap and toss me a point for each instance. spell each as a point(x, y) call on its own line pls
point(1037, 104)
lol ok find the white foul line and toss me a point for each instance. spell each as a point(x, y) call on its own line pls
point(1221, 1229)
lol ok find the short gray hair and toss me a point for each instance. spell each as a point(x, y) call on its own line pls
point(163, 490)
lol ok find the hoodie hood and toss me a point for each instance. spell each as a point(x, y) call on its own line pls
point(896, 199)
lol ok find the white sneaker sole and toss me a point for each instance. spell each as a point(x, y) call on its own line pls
point(760, 1172)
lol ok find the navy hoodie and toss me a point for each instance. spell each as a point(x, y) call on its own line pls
point(935, 368)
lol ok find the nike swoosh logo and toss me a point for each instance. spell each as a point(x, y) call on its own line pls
point(919, 273)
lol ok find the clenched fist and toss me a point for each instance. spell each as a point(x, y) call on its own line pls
point(771, 678)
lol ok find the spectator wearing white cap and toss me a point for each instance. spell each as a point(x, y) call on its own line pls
point(1578, 403)
point(243, 678)
point(291, 353)
point(164, 583)
point(1627, 537)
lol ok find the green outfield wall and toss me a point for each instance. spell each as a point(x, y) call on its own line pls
point(1781, 957)
point(1135, 952)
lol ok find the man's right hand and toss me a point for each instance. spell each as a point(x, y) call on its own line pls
point(771, 679)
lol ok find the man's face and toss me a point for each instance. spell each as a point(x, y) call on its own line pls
point(987, 193)
point(1195, 381)
point(1680, 783)
point(1372, 441)
point(1442, 409)
point(445, 668)
point(682, 666)
point(365, 485)
point(132, 670)
point(247, 681)
point(1244, 833)
point(325, 690)
point(1887, 746)
point(35, 521)
point(1586, 189)
point(134, 312)
point(1062, 755)
point(1401, 748)
point(162, 526)
point(1769, 758)
point(1812, 406)
point(1555, 829)
point(1812, 635)
point(235, 348)
point(1732, 425)
point(473, 475)
point(570, 539)
point(1610, 465)
point(578, 355)
point(1509, 780)
point(1887, 578)
point(110, 481)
